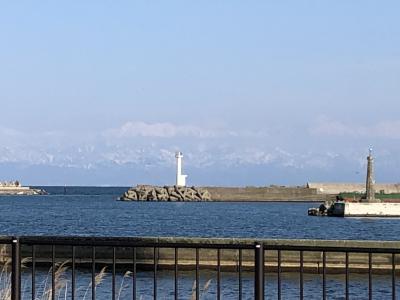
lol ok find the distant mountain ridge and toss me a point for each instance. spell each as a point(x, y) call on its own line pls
point(155, 164)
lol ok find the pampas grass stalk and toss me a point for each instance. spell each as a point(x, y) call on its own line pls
point(97, 280)
point(59, 280)
point(127, 274)
point(204, 291)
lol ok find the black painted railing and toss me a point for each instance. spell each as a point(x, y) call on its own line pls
point(256, 253)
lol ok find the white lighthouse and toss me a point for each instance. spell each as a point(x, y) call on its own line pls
point(180, 178)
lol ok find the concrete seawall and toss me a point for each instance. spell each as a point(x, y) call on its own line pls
point(336, 188)
point(290, 260)
point(266, 194)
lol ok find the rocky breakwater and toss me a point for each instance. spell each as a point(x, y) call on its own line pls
point(166, 193)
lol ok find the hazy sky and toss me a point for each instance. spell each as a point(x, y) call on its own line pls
point(253, 92)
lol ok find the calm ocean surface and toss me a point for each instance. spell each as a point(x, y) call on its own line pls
point(95, 211)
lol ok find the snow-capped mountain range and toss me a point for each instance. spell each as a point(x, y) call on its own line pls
point(144, 153)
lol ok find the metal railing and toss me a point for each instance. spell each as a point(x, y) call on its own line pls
point(336, 249)
point(256, 263)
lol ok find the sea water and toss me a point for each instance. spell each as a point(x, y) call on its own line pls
point(96, 211)
point(91, 211)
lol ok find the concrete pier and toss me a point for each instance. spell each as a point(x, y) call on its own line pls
point(368, 209)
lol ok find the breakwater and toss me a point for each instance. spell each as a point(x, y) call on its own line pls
point(20, 191)
point(224, 194)
point(15, 188)
point(271, 193)
point(166, 193)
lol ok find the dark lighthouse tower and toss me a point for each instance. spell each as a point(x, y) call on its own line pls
point(370, 186)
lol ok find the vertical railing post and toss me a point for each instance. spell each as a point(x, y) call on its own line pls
point(16, 270)
point(259, 272)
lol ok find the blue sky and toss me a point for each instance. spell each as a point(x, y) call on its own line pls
point(253, 93)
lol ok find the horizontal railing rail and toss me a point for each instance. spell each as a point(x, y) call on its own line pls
point(331, 249)
point(6, 240)
point(258, 256)
point(138, 242)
